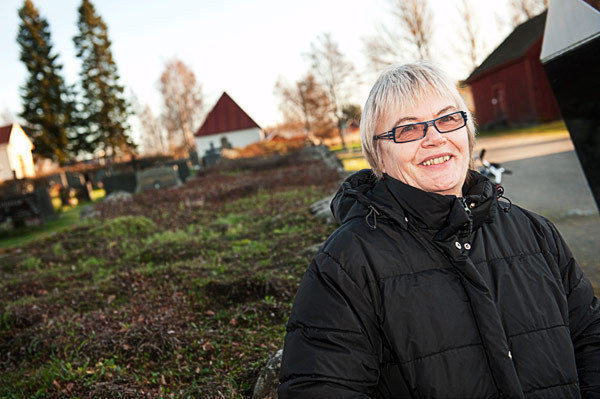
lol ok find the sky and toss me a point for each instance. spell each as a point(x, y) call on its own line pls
point(241, 47)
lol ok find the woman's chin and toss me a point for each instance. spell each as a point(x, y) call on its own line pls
point(447, 187)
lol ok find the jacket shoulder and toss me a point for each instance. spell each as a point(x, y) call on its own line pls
point(346, 247)
point(524, 231)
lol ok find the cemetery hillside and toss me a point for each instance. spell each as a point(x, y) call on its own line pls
point(178, 292)
point(165, 185)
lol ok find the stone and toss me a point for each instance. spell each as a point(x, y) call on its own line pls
point(321, 209)
point(312, 250)
point(118, 196)
point(268, 379)
point(327, 156)
point(88, 212)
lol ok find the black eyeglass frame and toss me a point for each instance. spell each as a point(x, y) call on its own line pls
point(391, 135)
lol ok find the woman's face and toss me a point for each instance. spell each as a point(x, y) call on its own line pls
point(413, 162)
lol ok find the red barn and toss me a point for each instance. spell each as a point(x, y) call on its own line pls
point(510, 87)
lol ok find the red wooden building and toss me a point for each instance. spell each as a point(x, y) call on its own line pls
point(510, 87)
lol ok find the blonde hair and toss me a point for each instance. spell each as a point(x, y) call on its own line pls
point(400, 87)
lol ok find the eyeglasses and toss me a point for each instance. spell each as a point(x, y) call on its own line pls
point(417, 131)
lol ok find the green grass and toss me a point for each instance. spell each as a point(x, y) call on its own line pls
point(550, 127)
point(28, 234)
point(353, 145)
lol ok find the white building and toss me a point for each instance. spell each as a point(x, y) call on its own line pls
point(226, 125)
point(15, 153)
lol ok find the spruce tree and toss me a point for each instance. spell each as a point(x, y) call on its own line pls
point(104, 110)
point(47, 103)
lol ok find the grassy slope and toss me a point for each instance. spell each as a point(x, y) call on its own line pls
point(179, 300)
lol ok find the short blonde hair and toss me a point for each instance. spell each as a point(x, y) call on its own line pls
point(400, 87)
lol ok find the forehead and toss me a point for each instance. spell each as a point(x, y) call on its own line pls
point(427, 107)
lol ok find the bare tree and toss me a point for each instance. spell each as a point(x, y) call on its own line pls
point(472, 48)
point(385, 48)
point(154, 138)
point(153, 134)
point(306, 102)
point(413, 35)
point(183, 101)
point(335, 74)
point(522, 10)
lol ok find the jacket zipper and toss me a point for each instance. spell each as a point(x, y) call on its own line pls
point(469, 215)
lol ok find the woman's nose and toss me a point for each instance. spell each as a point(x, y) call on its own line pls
point(433, 137)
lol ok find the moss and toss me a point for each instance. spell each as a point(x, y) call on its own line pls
point(123, 227)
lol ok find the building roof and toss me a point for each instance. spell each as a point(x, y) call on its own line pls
point(563, 34)
point(226, 116)
point(5, 134)
point(514, 46)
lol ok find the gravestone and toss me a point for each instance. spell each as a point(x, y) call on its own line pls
point(120, 182)
point(44, 202)
point(212, 155)
point(18, 208)
point(157, 178)
point(74, 179)
point(194, 159)
point(183, 168)
point(96, 177)
point(56, 178)
point(82, 187)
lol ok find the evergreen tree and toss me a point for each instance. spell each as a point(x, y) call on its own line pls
point(47, 103)
point(104, 110)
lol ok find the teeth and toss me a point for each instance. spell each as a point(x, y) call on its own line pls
point(436, 161)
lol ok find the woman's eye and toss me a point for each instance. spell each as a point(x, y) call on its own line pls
point(448, 118)
point(407, 129)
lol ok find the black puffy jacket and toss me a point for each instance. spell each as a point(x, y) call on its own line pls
point(419, 295)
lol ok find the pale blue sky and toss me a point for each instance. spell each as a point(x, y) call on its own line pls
point(241, 47)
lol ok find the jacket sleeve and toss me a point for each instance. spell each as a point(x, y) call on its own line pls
point(584, 320)
point(332, 345)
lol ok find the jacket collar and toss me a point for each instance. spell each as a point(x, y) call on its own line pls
point(446, 214)
point(442, 215)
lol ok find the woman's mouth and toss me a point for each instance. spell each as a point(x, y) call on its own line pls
point(436, 161)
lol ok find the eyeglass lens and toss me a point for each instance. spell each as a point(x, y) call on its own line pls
point(415, 131)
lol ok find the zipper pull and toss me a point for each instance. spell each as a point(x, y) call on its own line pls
point(469, 214)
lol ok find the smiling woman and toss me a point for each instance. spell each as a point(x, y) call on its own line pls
point(432, 287)
point(433, 160)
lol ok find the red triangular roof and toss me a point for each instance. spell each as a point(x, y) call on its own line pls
point(5, 134)
point(225, 116)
